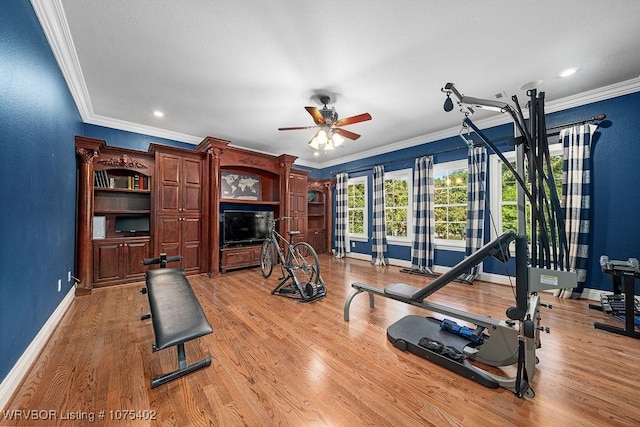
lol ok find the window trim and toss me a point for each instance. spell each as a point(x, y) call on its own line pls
point(408, 175)
point(448, 244)
point(365, 235)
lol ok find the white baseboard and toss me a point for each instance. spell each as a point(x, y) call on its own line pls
point(12, 381)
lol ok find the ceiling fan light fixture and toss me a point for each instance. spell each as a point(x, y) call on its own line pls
point(314, 143)
point(330, 133)
point(322, 137)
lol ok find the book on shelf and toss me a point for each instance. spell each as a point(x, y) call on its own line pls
point(136, 182)
point(101, 179)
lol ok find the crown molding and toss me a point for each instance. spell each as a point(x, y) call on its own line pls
point(143, 129)
point(52, 19)
point(601, 94)
point(589, 97)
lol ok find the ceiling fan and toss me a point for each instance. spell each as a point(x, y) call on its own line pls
point(330, 133)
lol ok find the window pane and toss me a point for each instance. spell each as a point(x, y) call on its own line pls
point(441, 196)
point(509, 218)
point(458, 195)
point(457, 231)
point(396, 206)
point(356, 203)
point(450, 203)
point(458, 213)
point(509, 187)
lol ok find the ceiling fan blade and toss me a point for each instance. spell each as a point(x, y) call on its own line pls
point(353, 119)
point(317, 116)
point(298, 128)
point(346, 133)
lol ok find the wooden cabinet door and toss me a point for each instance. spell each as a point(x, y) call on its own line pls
point(168, 235)
point(132, 255)
point(106, 261)
point(298, 204)
point(169, 168)
point(191, 186)
point(190, 244)
point(317, 238)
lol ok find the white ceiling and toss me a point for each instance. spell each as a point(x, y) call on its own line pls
point(239, 69)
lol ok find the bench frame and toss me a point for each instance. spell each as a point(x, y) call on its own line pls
point(175, 338)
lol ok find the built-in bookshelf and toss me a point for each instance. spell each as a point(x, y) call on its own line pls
point(316, 216)
point(123, 199)
point(118, 179)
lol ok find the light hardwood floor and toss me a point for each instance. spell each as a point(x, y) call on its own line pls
point(279, 362)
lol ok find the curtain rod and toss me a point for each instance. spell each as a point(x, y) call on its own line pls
point(599, 117)
point(579, 122)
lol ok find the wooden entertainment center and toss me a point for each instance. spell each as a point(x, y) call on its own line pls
point(136, 204)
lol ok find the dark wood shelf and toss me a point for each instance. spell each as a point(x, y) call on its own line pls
point(122, 190)
point(250, 202)
point(122, 212)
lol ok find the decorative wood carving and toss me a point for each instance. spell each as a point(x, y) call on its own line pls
point(123, 161)
point(87, 155)
point(253, 162)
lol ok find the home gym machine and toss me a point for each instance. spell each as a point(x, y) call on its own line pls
point(492, 342)
point(623, 303)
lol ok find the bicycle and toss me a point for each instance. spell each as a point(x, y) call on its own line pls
point(299, 264)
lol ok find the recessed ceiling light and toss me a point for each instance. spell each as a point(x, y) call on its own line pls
point(568, 72)
point(158, 113)
point(316, 154)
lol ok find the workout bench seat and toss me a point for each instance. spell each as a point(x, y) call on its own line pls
point(177, 317)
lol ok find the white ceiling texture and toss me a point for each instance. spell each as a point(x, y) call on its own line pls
point(240, 69)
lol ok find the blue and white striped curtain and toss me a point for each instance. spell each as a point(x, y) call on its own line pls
point(476, 185)
point(576, 200)
point(422, 252)
point(379, 238)
point(342, 215)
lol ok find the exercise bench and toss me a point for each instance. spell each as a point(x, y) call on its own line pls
point(176, 315)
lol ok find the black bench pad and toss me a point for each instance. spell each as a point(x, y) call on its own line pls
point(175, 311)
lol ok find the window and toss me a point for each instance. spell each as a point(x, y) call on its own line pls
point(450, 202)
point(357, 207)
point(397, 204)
point(504, 187)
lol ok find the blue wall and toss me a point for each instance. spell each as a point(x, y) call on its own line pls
point(125, 139)
point(615, 177)
point(38, 120)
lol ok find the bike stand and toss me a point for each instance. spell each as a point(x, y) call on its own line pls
point(290, 288)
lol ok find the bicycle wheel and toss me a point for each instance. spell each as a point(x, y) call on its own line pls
point(267, 258)
point(304, 263)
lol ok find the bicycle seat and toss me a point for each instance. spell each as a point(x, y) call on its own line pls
point(293, 233)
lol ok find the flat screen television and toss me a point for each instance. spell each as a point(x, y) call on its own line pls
point(132, 224)
point(245, 227)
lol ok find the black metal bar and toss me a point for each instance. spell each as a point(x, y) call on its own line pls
point(597, 118)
